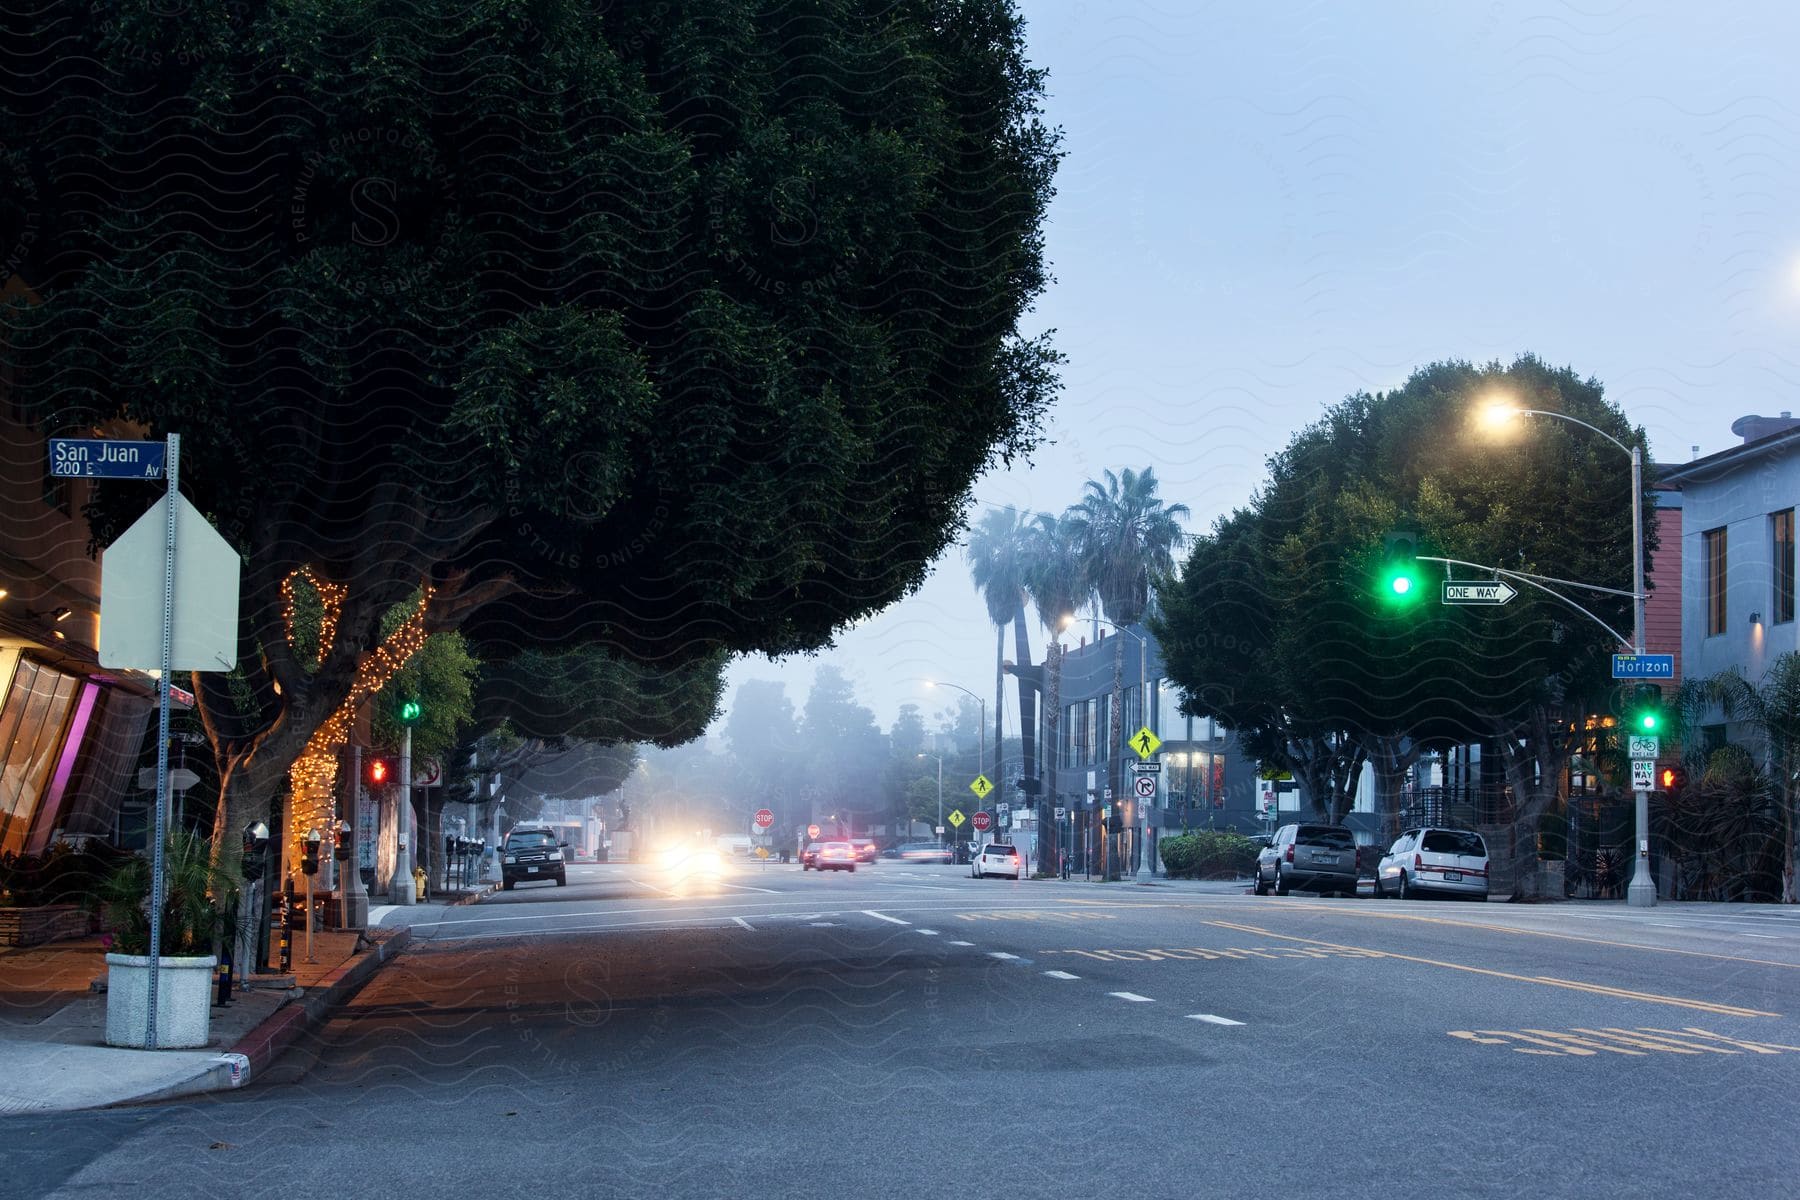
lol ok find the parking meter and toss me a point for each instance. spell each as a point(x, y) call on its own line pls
point(256, 851)
point(309, 852)
point(341, 851)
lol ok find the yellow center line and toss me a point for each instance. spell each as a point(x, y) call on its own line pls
point(1564, 937)
point(1727, 1010)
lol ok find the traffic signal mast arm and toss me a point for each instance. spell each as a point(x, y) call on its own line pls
point(1538, 582)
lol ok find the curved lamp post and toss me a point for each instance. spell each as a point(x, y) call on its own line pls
point(1642, 892)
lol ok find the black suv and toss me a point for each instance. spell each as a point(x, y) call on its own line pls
point(530, 855)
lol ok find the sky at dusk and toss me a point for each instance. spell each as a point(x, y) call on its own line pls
point(1266, 207)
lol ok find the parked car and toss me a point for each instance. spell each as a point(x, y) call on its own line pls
point(995, 859)
point(935, 852)
point(1313, 858)
point(835, 856)
point(1451, 862)
point(529, 855)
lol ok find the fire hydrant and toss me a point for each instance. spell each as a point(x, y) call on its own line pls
point(419, 882)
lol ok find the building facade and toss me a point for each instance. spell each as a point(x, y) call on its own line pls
point(70, 731)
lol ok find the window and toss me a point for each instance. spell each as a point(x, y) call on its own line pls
point(1715, 581)
point(1781, 537)
point(1451, 841)
point(31, 728)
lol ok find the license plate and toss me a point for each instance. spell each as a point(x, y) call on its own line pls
point(1324, 858)
point(1452, 876)
point(531, 870)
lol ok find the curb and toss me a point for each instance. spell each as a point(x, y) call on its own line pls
point(259, 1048)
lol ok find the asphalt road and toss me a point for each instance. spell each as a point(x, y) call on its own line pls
point(907, 1032)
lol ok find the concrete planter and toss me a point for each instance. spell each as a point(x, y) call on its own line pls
point(183, 1001)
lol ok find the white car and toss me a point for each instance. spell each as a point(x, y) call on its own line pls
point(1447, 862)
point(995, 859)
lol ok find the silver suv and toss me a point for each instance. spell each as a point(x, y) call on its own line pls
point(1313, 858)
point(1450, 862)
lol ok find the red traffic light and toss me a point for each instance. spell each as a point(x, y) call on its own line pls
point(1673, 779)
point(378, 770)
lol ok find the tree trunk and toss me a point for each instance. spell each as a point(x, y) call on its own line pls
point(1529, 753)
point(1027, 703)
point(1115, 765)
point(998, 778)
point(1392, 757)
point(1049, 847)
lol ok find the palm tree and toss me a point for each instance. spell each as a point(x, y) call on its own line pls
point(999, 554)
point(1057, 581)
point(1772, 709)
point(1127, 537)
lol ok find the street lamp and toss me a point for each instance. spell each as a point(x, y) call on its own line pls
point(939, 827)
point(1642, 892)
point(1144, 873)
point(981, 730)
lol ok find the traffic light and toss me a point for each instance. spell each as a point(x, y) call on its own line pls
point(1673, 779)
point(379, 771)
point(1399, 582)
point(1645, 715)
point(410, 711)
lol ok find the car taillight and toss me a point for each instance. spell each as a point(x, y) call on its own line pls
point(1290, 852)
point(1418, 862)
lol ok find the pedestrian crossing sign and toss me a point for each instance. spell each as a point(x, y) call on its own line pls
point(956, 818)
point(981, 787)
point(1145, 742)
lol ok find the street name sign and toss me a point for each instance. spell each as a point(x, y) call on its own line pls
point(1643, 774)
point(956, 818)
point(1144, 786)
point(1147, 768)
point(1643, 666)
point(1495, 592)
point(981, 786)
point(104, 458)
point(981, 821)
point(1645, 747)
point(1145, 742)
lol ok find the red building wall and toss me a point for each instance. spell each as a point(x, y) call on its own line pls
point(1662, 611)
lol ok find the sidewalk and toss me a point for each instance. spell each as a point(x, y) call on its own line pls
point(53, 1052)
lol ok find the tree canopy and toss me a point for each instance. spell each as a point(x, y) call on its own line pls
point(675, 329)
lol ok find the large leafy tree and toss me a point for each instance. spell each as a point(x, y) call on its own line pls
point(670, 329)
point(1276, 630)
point(1770, 709)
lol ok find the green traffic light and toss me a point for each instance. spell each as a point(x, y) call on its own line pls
point(1402, 583)
point(1648, 722)
point(411, 711)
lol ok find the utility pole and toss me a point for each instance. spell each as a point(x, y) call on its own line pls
point(1642, 891)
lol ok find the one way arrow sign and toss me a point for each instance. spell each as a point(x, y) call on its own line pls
point(1478, 593)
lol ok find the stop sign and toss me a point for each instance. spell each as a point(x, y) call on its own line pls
point(982, 821)
point(812, 831)
point(764, 818)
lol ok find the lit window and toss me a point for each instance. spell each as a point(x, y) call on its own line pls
point(1715, 581)
point(1781, 530)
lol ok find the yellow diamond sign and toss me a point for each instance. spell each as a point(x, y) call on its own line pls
point(762, 852)
point(981, 787)
point(1145, 742)
point(956, 818)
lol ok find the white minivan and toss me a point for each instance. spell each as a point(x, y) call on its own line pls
point(1449, 862)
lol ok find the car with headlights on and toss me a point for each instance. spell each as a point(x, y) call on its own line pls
point(866, 849)
point(531, 855)
point(1444, 862)
point(924, 852)
point(996, 859)
point(686, 862)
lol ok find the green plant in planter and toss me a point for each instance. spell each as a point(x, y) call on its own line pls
point(198, 900)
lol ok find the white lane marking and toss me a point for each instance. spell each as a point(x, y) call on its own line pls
point(1061, 975)
point(927, 932)
point(1665, 925)
point(746, 887)
point(745, 924)
point(962, 943)
point(1003, 955)
point(1133, 997)
point(869, 912)
point(1768, 937)
point(1210, 1019)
